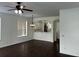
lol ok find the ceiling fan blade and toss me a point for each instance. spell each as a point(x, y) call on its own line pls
point(28, 10)
point(11, 9)
point(24, 6)
point(22, 11)
point(9, 6)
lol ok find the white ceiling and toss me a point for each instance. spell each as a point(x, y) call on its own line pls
point(40, 8)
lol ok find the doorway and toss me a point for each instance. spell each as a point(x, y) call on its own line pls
point(56, 36)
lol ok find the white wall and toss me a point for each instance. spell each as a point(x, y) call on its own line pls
point(45, 36)
point(9, 30)
point(0, 28)
point(69, 31)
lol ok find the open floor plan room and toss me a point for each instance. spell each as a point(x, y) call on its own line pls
point(39, 29)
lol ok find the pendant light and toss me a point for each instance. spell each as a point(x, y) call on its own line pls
point(32, 24)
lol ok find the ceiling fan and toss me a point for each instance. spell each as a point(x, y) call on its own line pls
point(19, 8)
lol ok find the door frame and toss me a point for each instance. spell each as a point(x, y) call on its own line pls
point(54, 29)
point(55, 39)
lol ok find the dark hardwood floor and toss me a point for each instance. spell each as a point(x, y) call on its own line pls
point(32, 48)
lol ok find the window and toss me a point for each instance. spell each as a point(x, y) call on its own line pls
point(22, 28)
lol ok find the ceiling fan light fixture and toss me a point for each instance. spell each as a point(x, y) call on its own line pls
point(20, 12)
point(21, 7)
point(16, 11)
